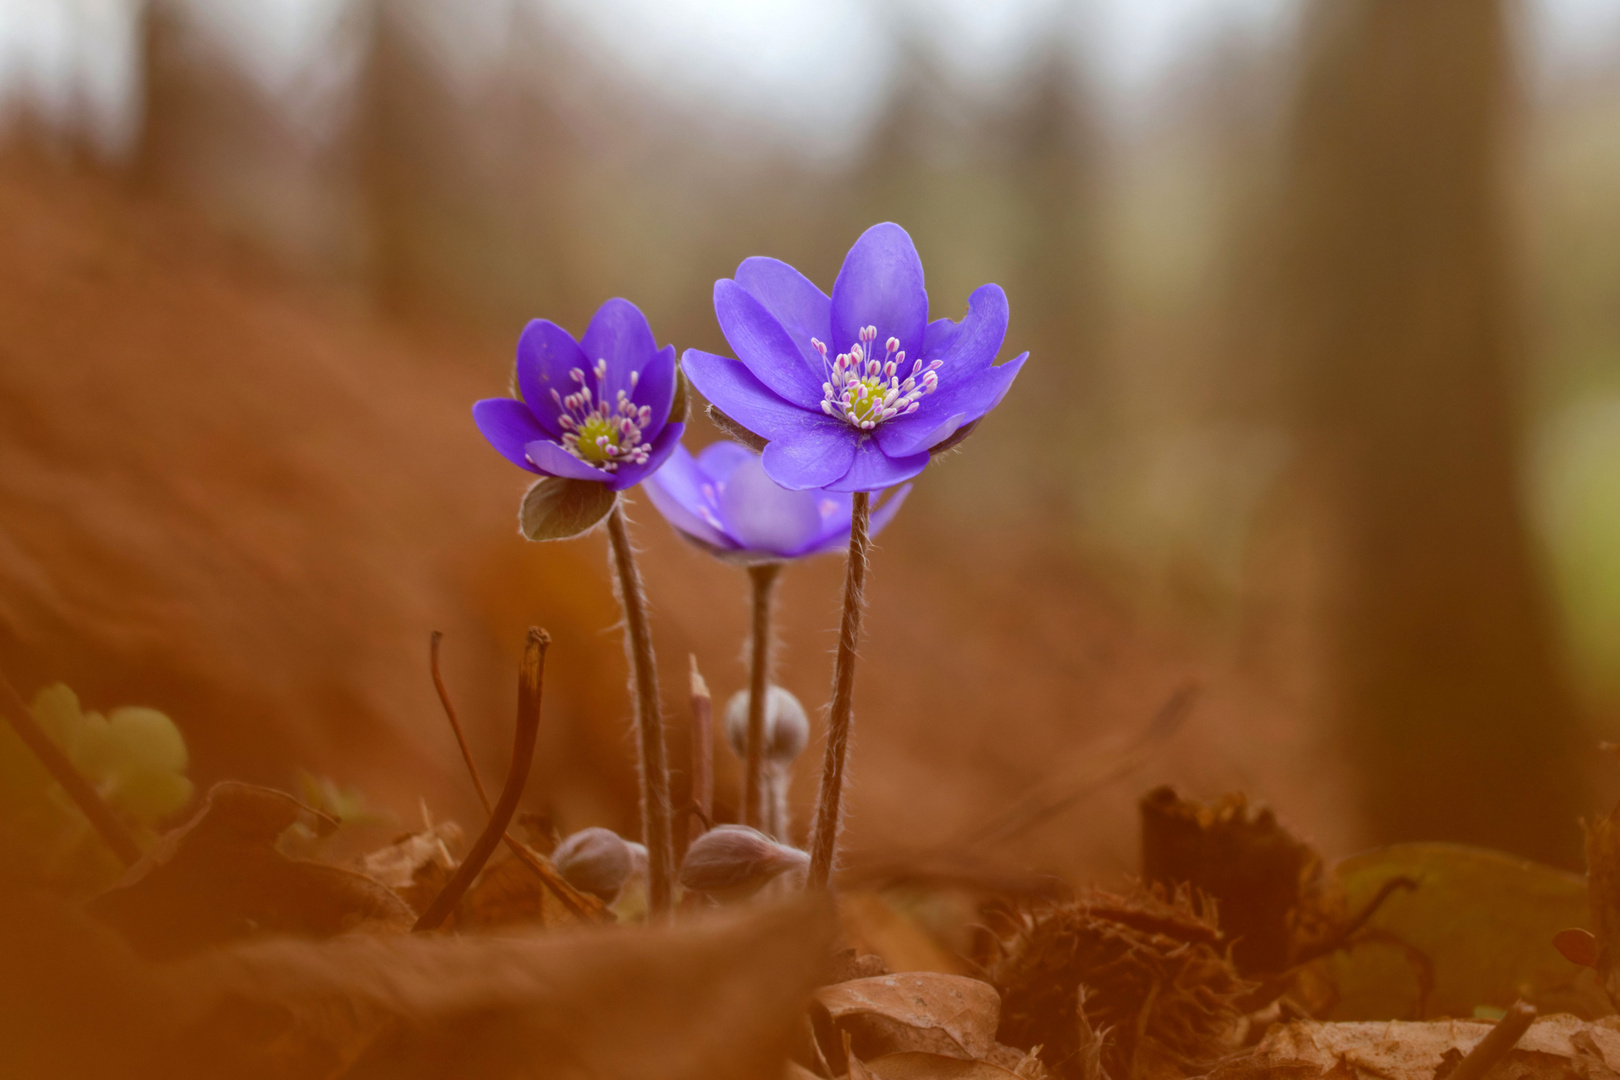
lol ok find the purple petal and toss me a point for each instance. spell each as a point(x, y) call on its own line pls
point(546, 353)
point(899, 440)
point(938, 337)
point(881, 285)
point(976, 340)
point(676, 491)
point(811, 459)
point(553, 460)
point(970, 398)
point(765, 345)
point(662, 447)
point(655, 388)
point(717, 460)
point(620, 335)
point(873, 470)
point(804, 311)
point(764, 516)
point(735, 392)
point(509, 426)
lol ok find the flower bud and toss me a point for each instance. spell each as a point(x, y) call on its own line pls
point(730, 862)
point(787, 728)
point(597, 861)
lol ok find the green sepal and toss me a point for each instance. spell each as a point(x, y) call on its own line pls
point(555, 508)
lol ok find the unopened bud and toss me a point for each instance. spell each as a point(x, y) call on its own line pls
point(597, 861)
point(733, 861)
point(787, 728)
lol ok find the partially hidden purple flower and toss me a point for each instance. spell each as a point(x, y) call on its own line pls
point(723, 501)
point(597, 409)
point(855, 391)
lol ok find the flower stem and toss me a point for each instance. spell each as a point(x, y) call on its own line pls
point(763, 578)
point(655, 808)
point(829, 801)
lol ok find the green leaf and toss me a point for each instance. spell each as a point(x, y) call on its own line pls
point(733, 430)
point(558, 509)
point(1483, 921)
point(682, 408)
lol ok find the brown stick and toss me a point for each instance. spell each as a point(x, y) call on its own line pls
point(582, 905)
point(653, 759)
point(84, 796)
point(1497, 1043)
point(763, 578)
point(829, 801)
point(455, 724)
point(702, 756)
point(530, 683)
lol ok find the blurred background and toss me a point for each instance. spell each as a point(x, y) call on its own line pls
point(1317, 458)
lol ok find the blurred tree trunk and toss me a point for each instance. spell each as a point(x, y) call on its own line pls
point(1403, 323)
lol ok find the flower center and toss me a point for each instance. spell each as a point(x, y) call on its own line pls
point(600, 433)
point(865, 391)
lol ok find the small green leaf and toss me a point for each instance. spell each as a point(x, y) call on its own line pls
point(682, 408)
point(731, 429)
point(557, 509)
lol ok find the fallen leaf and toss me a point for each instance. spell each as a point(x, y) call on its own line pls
point(1480, 924)
point(1555, 1046)
point(949, 1015)
point(219, 877)
point(508, 893)
point(417, 865)
point(918, 1065)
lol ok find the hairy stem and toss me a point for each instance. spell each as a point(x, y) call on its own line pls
point(829, 799)
point(655, 809)
point(763, 578)
point(55, 760)
point(531, 676)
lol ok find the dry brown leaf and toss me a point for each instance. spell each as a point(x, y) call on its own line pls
point(219, 877)
point(1561, 1046)
point(918, 1065)
point(416, 865)
point(509, 893)
point(949, 1015)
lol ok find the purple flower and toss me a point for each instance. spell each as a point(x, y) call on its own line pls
point(722, 501)
point(597, 409)
point(852, 393)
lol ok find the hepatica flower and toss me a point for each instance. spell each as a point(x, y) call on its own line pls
point(723, 502)
point(597, 410)
point(855, 391)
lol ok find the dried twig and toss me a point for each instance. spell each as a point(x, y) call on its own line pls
point(581, 905)
point(1497, 1043)
point(84, 796)
point(530, 680)
point(829, 800)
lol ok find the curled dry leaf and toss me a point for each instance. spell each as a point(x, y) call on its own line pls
point(219, 877)
point(1561, 1047)
point(417, 865)
point(949, 1015)
point(510, 893)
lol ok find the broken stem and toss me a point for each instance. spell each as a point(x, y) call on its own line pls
point(829, 800)
point(1497, 1043)
point(655, 806)
point(56, 762)
point(530, 679)
point(763, 578)
point(582, 906)
point(702, 738)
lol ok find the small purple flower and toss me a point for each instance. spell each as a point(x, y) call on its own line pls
point(597, 409)
point(722, 501)
point(852, 392)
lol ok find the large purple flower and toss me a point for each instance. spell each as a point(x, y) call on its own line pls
point(854, 392)
point(597, 409)
point(722, 501)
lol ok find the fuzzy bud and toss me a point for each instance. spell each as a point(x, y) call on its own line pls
point(597, 861)
point(730, 862)
point(787, 728)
